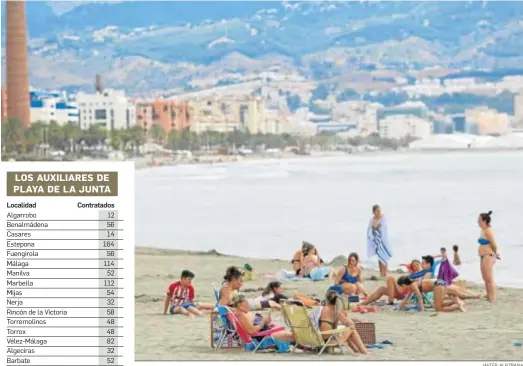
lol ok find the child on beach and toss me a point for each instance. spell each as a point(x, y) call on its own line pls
point(443, 253)
point(457, 260)
point(180, 296)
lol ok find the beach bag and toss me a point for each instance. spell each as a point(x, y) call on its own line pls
point(367, 332)
point(307, 301)
point(230, 342)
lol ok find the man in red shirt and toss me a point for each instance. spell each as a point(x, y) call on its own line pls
point(180, 296)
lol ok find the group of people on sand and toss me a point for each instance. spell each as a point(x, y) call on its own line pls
point(308, 264)
point(328, 316)
point(378, 245)
point(447, 295)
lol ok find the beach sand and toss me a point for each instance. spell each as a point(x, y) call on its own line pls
point(485, 332)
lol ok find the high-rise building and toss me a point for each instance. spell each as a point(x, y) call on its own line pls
point(16, 59)
point(170, 114)
point(110, 109)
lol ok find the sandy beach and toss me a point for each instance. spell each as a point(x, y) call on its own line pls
point(485, 332)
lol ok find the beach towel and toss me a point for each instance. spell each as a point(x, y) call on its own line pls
point(314, 315)
point(318, 274)
point(284, 275)
point(378, 242)
point(447, 272)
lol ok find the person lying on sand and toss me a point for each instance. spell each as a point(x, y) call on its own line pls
point(349, 277)
point(328, 317)
point(392, 290)
point(439, 288)
point(232, 283)
point(255, 323)
point(180, 296)
point(311, 266)
point(270, 298)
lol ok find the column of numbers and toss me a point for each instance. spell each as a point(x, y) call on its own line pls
point(109, 294)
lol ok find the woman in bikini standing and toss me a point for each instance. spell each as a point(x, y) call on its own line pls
point(488, 253)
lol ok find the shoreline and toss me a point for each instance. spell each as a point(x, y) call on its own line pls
point(146, 161)
point(496, 327)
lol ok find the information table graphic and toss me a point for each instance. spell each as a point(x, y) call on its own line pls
point(68, 231)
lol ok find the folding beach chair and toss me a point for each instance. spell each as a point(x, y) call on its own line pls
point(250, 342)
point(227, 329)
point(298, 320)
point(216, 293)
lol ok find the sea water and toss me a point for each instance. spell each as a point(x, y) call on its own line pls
point(266, 208)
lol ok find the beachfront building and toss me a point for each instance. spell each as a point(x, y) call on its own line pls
point(488, 121)
point(54, 106)
point(401, 126)
point(225, 114)
point(169, 114)
point(110, 109)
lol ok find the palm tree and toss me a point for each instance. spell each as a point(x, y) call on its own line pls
point(35, 136)
point(72, 134)
point(12, 135)
point(137, 136)
point(55, 135)
point(157, 133)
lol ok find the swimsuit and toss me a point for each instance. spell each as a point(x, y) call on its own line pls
point(348, 278)
point(485, 242)
point(185, 306)
point(440, 283)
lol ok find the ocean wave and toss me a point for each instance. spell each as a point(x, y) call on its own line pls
point(280, 174)
point(204, 177)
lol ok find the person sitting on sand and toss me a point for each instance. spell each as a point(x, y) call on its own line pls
point(255, 323)
point(456, 260)
point(180, 296)
point(312, 265)
point(392, 290)
point(297, 258)
point(231, 285)
point(270, 298)
point(328, 317)
point(438, 287)
point(349, 277)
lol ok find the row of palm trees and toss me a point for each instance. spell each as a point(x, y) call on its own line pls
point(39, 136)
point(16, 139)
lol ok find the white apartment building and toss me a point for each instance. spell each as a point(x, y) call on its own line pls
point(400, 126)
point(110, 109)
point(52, 106)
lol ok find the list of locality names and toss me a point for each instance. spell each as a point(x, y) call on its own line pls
point(69, 254)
